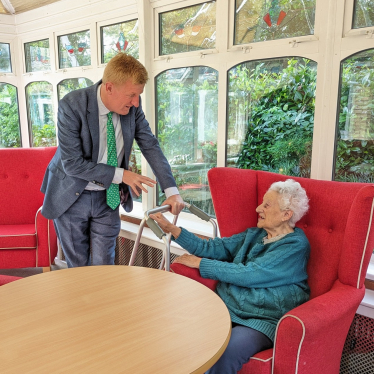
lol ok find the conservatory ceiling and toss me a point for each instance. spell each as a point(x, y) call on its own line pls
point(20, 6)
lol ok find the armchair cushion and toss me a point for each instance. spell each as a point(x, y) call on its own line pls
point(4, 279)
point(17, 236)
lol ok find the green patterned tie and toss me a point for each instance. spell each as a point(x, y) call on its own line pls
point(112, 193)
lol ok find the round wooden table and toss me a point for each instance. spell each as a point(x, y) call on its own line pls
point(110, 319)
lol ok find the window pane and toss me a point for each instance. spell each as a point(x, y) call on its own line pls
point(271, 115)
point(5, 66)
point(121, 37)
point(363, 15)
point(187, 111)
point(40, 114)
point(9, 117)
point(354, 157)
point(188, 29)
point(74, 50)
point(135, 165)
point(68, 85)
point(37, 56)
point(259, 20)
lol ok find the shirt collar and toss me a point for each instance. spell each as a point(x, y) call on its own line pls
point(103, 110)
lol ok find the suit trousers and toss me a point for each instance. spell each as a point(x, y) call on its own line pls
point(88, 230)
point(244, 343)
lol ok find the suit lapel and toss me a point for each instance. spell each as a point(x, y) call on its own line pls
point(93, 120)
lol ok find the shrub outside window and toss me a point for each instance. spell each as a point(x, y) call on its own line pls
point(9, 117)
point(188, 29)
point(40, 114)
point(74, 49)
point(120, 37)
point(363, 15)
point(5, 65)
point(354, 156)
point(186, 117)
point(260, 20)
point(271, 115)
point(68, 85)
point(37, 56)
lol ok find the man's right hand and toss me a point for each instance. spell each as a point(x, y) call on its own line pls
point(136, 181)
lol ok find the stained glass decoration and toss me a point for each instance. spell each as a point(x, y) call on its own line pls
point(188, 29)
point(354, 156)
point(37, 56)
point(5, 65)
point(10, 136)
point(72, 84)
point(363, 15)
point(120, 37)
point(74, 50)
point(260, 20)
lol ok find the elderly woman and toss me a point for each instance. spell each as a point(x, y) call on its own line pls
point(261, 271)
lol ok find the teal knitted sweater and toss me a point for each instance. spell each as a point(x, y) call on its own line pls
point(258, 282)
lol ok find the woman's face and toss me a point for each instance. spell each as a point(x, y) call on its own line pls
point(270, 216)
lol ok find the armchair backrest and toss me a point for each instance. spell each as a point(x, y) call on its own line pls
point(21, 175)
point(339, 224)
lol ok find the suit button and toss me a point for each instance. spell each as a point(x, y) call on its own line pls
point(77, 193)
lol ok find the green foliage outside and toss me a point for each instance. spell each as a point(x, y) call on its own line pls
point(40, 114)
point(280, 115)
point(68, 85)
point(9, 117)
point(354, 158)
point(187, 116)
point(79, 43)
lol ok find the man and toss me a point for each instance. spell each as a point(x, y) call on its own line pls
point(87, 178)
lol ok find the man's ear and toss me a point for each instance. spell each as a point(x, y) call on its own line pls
point(109, 88)
point(287, 214)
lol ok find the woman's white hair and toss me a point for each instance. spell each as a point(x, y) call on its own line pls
point(292, 197)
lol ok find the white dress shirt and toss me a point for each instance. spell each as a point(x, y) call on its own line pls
point(103, 146)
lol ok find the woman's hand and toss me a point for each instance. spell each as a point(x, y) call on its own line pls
point(188, 260)
point(165, 225)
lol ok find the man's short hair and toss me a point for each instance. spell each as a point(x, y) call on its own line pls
point(124, 67)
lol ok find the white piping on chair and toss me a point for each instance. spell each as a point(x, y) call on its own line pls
point(300, 344)
point(8, 236)
point(262, 360)
point(49, 244)
point(37, 239)
point(366, 243)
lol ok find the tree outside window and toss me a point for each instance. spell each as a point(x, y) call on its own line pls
point(271, 115)
point(354, 156)
point(40, 114)
point(187, 116)
point(9, 117)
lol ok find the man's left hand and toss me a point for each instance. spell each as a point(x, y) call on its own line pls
point(176, 203)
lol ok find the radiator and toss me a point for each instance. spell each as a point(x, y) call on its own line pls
point(358, 351)
point(146, 256)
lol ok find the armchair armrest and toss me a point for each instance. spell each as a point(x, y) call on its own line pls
point(301, 334)
point(46, 240)
point(193, 274)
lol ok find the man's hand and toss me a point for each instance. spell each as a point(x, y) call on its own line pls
point(176, 203)
point(188, 260)
point(136, 181)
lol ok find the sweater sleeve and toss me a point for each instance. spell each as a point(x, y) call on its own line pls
point(222, 249)
point(283, 263)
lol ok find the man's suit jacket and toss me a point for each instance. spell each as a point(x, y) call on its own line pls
point(75, 161)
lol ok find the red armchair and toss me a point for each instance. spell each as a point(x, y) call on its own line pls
point(27, 239)
point(310, 338)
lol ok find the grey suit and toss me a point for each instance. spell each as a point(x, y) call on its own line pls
point(75, 162)
point(86, 226)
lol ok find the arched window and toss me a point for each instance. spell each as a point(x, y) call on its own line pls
point(40, 114)
point(68, 85)
point(354, 156)
point(187, 117)
point(271, 115)
point(9, 117)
